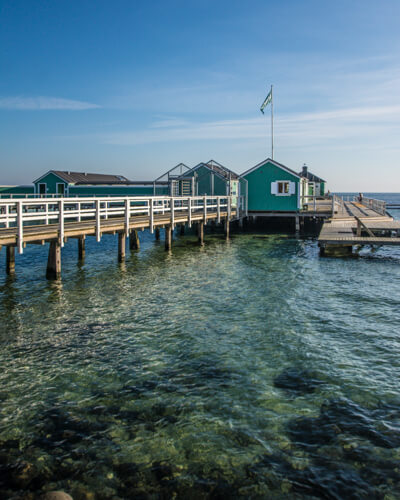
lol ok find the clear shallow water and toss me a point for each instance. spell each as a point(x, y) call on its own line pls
point(247, 369)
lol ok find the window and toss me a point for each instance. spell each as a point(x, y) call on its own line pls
point(283, 187)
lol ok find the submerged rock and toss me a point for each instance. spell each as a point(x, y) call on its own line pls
point(297, 381)
point(56, 495)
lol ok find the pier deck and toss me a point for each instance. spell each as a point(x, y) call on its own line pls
point(44, 220)
point(355, 223)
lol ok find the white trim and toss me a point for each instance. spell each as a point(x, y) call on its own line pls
point(61, 184)
point(47, 173)
point(42, 184)
point(276, 164)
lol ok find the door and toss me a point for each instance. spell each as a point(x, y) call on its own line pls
point(42, 188)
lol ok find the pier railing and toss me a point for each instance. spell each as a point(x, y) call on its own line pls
point(48, 211)
point(377, 205)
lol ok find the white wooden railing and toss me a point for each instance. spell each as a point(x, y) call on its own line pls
point(377, 205)
point(47, 211)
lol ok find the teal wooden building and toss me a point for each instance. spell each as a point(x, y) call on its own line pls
point(315, 185)
point(273, 187)
point(66, 183)
point(209, 179)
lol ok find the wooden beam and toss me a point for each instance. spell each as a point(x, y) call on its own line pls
point(168, 237)
point(53, 271)
point(226, 228)
point(200, 233)
point(134, 242)
point(10, 260)
point(361, 223)
point(81, 248)
point(121, 246)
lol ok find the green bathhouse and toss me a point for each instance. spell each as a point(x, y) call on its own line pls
point(273, 187)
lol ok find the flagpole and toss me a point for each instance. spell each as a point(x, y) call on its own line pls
point(272, 125)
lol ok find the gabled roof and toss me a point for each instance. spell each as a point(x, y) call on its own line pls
point(86, 178)
point(279, 165)
point(311, 177)
point(223, 172)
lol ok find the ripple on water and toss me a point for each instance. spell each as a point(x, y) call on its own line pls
point(252, 369)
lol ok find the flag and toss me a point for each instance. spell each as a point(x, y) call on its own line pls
point(267, 100)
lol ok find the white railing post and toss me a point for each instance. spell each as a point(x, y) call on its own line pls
point(229, 208)
point(218, 209)
point(20, 225)
point(61, 222)
point(151, 206)
point(127, 216)
point(190, 212)
point(205, 209)
point(315, 203)
point(172, 207)
point(333, 204)
point(98, 228)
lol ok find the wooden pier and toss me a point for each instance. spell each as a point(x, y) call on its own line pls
point(44, 220)
point(356, 224)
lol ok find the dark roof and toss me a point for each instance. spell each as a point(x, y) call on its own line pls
point(216, 167)
point(89, 178)
point(311, 177)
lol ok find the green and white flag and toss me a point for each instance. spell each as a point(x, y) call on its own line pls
point(267, 100)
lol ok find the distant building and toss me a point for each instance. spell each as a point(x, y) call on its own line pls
point(315, 185)
point(273, 187)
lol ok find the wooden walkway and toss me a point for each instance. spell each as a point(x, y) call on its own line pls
point(44, 220)
point(354, 224)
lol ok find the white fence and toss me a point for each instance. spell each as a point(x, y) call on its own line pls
point(377, 205)
point(48, 211)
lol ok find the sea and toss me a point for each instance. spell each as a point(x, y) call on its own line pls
point(247, 369)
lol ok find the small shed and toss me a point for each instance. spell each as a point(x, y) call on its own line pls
point(273, 187)
point(315, 185)
point(209, 179)
point(66, 183)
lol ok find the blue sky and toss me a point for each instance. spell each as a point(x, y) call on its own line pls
point(134, 88)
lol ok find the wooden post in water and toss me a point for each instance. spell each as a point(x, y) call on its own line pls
point(168, 237)
point(134, 242)
point(200, 233)
point(297, 222)
point(54, 261)
point(157, 233)
point(10, 260)
point(182, 230)
point(226, 228)
point(81, 248)
point(121, 246)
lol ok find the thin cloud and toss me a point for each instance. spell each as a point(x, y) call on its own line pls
point(44, 103)
point(317, 126)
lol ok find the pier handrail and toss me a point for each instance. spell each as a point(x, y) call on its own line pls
point(377, 205)
point(19, 213)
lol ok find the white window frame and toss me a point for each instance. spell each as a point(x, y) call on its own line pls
point(283, 193)
point(45, 187)
point(61, 184)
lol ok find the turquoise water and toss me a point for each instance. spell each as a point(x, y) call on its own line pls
point(245, 369)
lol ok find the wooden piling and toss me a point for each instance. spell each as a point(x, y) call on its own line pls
point(10, 260)
point(168, 237)
point(297, 223)
point(157, 233)
point(54, 261)
point(134, 242)
point(182, 230)
point(81, 248)
point(200, 233)
point(226, 228)
point(121, 246)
